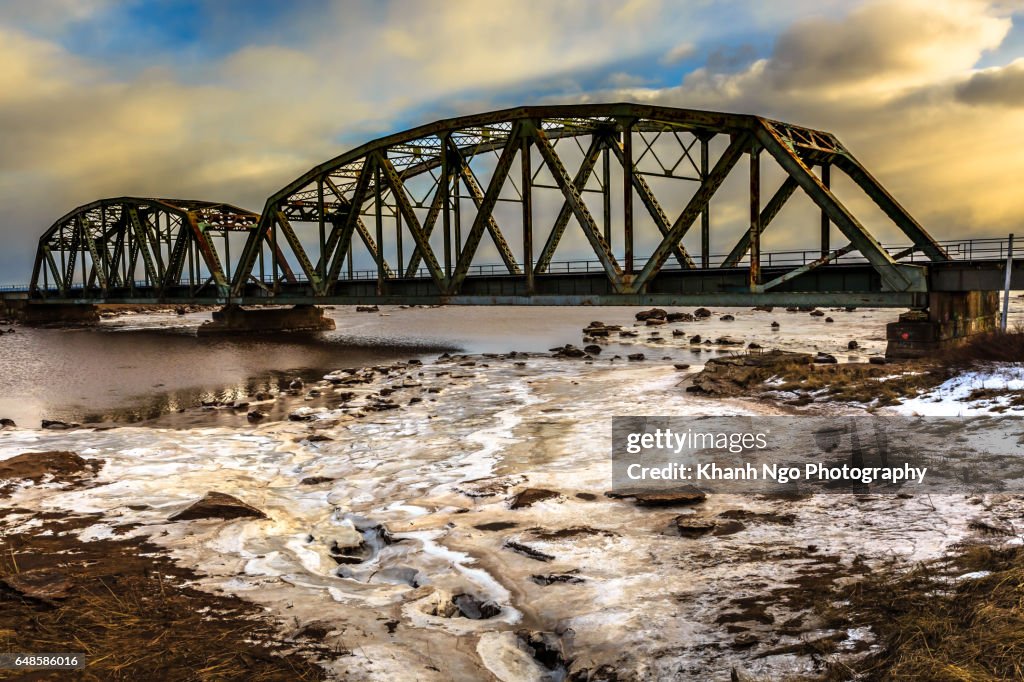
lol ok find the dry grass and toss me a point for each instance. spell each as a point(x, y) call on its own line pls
point(860, 383)
point(937, 629)
point(1005, 346)
point(130, 614)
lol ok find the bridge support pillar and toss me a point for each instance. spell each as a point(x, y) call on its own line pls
point(951, 317)
point(234, 319)
point(54, 315)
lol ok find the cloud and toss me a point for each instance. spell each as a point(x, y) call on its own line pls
point(895, 81)
point(1003, 86)
point(678, 53)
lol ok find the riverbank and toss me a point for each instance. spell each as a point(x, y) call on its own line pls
point(448, 520)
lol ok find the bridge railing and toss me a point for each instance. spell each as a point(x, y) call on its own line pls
point(957, 250)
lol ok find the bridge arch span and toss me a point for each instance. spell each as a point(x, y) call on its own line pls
point(425, 207)
point(140, 247)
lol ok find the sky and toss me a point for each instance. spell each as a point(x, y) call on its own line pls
point(230, 100)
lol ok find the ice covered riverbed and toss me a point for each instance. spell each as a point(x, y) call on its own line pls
point(426, 490)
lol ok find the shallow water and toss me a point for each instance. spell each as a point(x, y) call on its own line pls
point(139, 367)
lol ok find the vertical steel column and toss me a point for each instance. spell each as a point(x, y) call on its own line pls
point(627, 194)
point(446, 220)
point(263, 269)
point(106, 251)
point(705, 214)
point(379, 220)
point(227, 255)
point(81, 244)
point(398, 239)
point(606, 198)
point(273, 257)
point(1006, 286)
point(323, 236)
point(527, 214)
point(457, 209)
point(755, 217)
point(826, 225)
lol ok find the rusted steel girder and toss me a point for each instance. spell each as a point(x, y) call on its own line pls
point(106, 238)
point(406, 188)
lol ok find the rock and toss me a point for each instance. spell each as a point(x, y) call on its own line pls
point(318, 438)
point(817, 313)
point(593, 349)
point(41, 584)
point(61, 465)
point(701, 313)
point(775, 325)
point(791, 309)
point(695, 339)
point(627, 334)
point(825, 359)
point(569, 351)
point(303, 414)
point(737, 375)
point(527, 551)
point(653, 313)
point(727, 318)
point(877, 360)
point(685, 495)
point(263, 395)
point(552, 578)
point(316, 480)
point(829, 319)
point(240, 405)
point(57, 425)
point(256, 416)
point(296, 384)
point(636, 357)
point(678, 332)
point(216, 505)
point(655, 321)
point(728, 341)
point(763, 308)
point(679, 317)
point(6, 423)
point(367, 309)
point(689, 527)
point(681, 366)
point(852, 345)
point(474, 608)
point(529, 496)
point(753, 345)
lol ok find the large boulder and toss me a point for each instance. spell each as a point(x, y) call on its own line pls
point(61, 465)
point(216, 505)
point(652, 314)
point(740, 374)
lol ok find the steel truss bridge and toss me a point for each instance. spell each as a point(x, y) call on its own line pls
point(472, 210)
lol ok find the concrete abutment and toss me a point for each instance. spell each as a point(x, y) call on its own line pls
point(951, 318)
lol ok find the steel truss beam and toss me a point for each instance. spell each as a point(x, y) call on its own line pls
point(100, 245)
point(139, 247)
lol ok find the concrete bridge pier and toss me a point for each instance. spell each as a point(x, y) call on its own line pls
point(233, 319)
point(951, 317)
point(51, 314)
